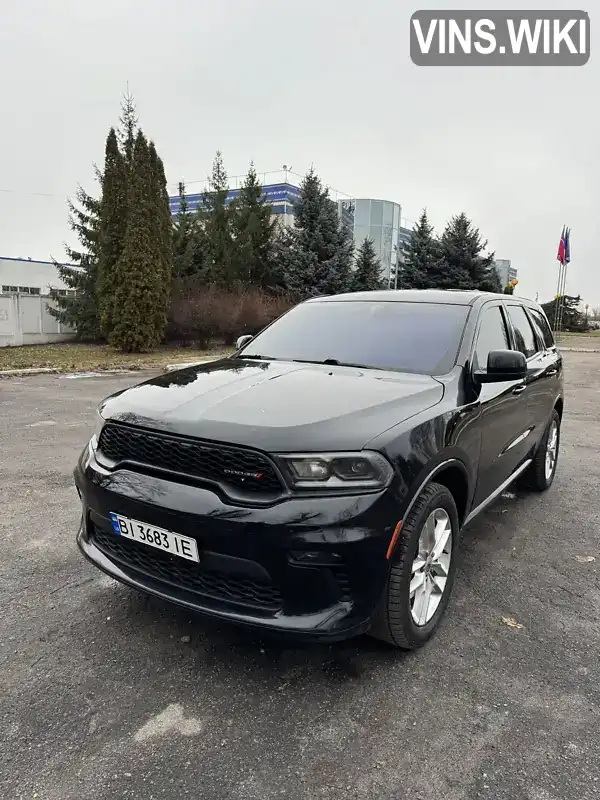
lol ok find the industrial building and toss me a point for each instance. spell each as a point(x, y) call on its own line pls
point(26, 290)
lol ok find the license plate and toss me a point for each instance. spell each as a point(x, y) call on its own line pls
point(167, 541)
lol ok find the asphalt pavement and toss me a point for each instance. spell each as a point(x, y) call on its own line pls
point(105, 694)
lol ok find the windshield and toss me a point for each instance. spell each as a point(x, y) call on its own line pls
point(409, 337)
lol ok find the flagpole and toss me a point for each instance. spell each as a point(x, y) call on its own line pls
point(563, 259)
point(561, 307)
point(557, 298)
point(564, 283)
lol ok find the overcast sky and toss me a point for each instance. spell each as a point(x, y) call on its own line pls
point(322, 82)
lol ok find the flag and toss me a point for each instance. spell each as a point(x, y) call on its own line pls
point(560, 256)
point(567, 246)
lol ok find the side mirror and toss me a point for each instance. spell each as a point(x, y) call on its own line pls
point(503, 365)
point(243, 340)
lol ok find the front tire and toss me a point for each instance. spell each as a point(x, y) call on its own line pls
point(539, 476)
point(421, 572)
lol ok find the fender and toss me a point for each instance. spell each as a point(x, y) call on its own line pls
point(449, 462)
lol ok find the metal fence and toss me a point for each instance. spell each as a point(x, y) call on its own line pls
point(25, 319)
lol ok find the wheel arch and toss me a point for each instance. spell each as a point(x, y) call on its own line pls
point(559, 406)
point(451, 473)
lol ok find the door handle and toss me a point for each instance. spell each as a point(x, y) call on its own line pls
point(519, 389)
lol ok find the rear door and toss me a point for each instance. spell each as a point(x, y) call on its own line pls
point(504, 420)
point(547, 371)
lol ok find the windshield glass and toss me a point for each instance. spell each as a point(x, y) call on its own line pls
point(409, 337)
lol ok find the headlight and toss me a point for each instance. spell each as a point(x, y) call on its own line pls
point(363, 470)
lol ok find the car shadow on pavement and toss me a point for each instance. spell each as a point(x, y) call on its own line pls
point(237, 647)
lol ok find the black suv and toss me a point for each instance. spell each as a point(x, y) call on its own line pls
point(316, 481)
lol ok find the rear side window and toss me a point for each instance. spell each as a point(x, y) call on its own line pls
point(492, 336)
point(524, 335)
point(544, 329)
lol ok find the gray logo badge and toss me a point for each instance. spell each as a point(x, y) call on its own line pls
point(500, 38)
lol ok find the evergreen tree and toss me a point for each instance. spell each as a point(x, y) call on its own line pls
point(112, 228)
point(571, 319)
point(319, 258)
point(468, 267)
point(340, 268)
point(215, 218)
point(424, 266)
point(163, 224)
point(128, 126)
point(183, 233)
point(81, 311)
point(254, 233)
point(367, 272)
point(139, 294)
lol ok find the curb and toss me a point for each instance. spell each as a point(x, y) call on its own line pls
point(576, 350)
point(15, 373)
point(9, 373)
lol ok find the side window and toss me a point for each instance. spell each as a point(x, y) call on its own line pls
point(543, 326)
point(524, 335)
point(492, 336)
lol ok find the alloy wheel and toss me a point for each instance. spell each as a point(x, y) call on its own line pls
point(431, 566)
point(551, 450)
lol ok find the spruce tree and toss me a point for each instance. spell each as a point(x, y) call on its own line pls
point(81, 311)
point(183, 231)
point(340, 269)
point(163, 224)
point(112, 229)
point(319, 260)
point(254, 231)
point(462, 248)
point(139, 294)
point(215, 218)
point(570, 318)
point(367, 272)
point(424, 266)
point(128, 126)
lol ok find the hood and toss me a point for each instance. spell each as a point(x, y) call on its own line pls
point(276, 406)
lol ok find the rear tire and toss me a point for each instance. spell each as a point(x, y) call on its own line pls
point(540, 474)
point(421, 572)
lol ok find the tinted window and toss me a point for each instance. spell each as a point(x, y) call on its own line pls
point(492, 336)
point(543, 326)
point(411, 337)
point(524, 335)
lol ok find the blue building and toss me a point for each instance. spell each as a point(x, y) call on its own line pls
point(281, 197)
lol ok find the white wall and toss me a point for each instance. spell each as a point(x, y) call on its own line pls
point(25, 319)
point(41, 275)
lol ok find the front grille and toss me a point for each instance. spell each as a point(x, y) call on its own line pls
point(192, 577)
point(246, 471)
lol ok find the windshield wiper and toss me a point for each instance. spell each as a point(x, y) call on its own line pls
point(334, 362)
point(257, 357)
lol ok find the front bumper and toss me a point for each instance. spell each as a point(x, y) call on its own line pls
point(310, 567)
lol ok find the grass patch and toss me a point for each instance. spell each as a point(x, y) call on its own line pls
point(77, 357)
